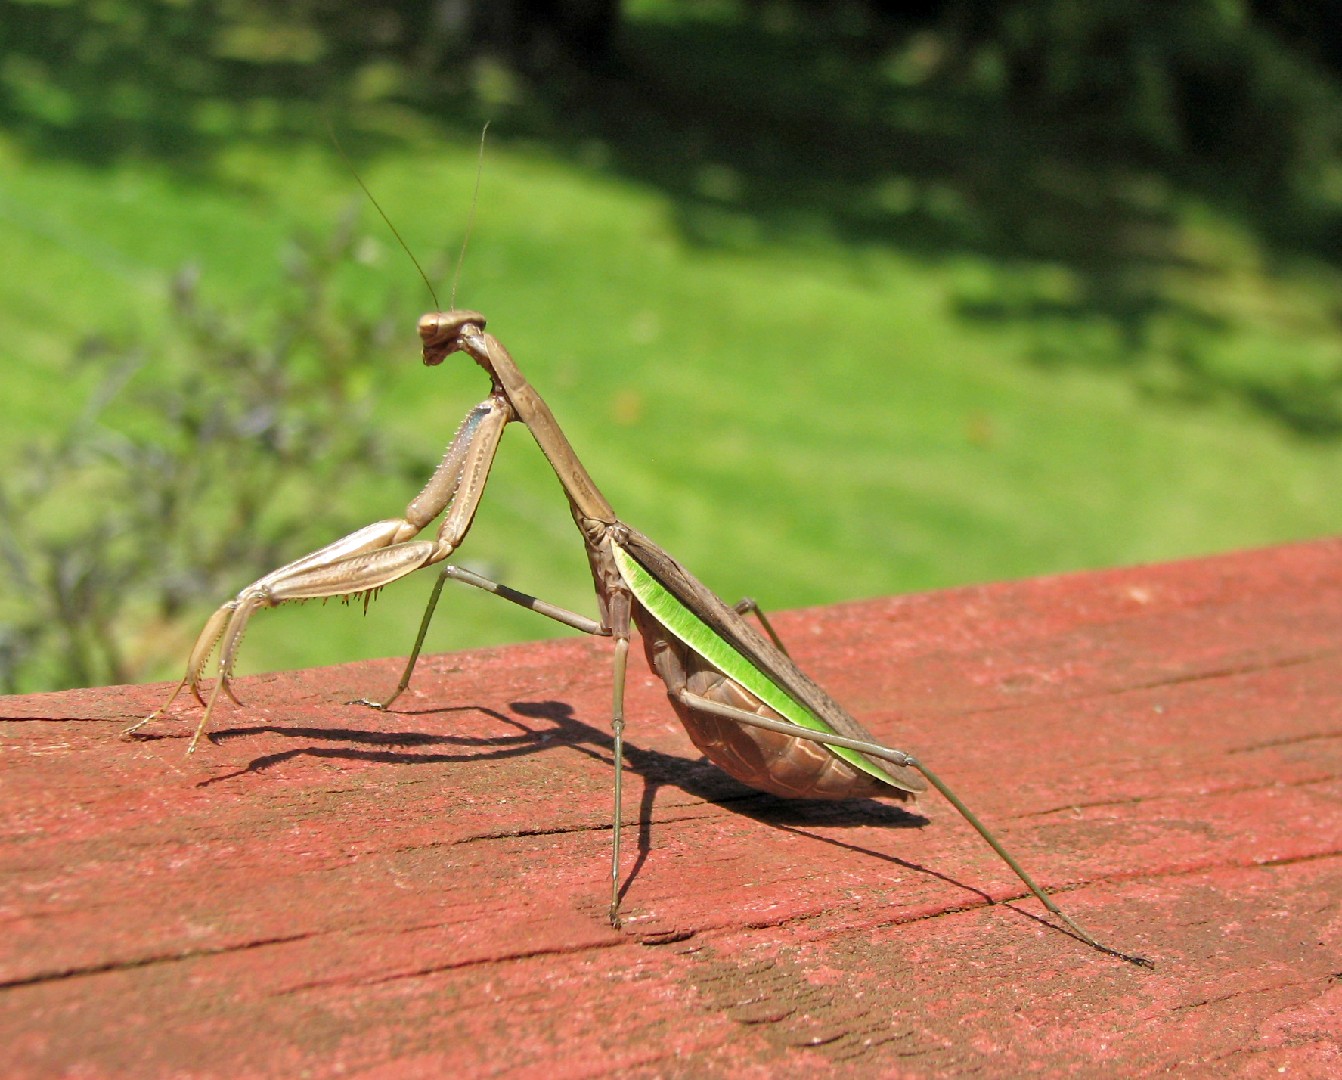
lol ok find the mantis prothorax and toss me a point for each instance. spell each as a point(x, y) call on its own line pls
point(743, 701)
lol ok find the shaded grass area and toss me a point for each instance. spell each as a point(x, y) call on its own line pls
point(827, 319)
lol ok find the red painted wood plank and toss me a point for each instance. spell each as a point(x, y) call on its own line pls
point(329, 891)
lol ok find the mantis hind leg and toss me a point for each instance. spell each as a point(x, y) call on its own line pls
point(899, 757)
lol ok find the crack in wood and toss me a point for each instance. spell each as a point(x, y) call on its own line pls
point(110, 966)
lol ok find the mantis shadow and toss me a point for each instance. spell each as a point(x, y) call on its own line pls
point(703, 780)
point(398, 744)
point(697, 778)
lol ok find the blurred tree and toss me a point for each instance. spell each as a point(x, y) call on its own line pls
point(1246, 87)
point(1309, 27)
point(534, 32)
point(103, 526)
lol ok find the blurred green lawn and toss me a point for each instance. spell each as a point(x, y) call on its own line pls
point(803, 414)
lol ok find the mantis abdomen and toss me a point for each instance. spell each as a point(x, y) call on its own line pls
point(764, 760)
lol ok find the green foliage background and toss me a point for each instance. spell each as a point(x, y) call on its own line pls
point(832, 304)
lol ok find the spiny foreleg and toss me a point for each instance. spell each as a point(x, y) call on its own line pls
point(362, 562)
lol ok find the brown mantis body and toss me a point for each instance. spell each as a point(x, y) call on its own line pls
point(743, 701)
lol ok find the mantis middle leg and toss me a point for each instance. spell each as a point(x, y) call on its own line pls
point(617, 626)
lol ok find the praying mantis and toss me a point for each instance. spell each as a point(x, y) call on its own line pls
point(744, 702)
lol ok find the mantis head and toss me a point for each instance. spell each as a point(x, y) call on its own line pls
point(443, 333)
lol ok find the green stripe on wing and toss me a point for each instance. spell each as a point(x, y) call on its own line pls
point(683, 624)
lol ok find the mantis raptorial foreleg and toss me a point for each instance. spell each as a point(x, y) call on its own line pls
point(362, 562)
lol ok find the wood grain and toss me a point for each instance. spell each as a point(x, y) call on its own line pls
point(326, 890)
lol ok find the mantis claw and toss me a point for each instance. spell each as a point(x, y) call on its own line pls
point(226, 684)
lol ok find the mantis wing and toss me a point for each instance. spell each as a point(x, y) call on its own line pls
point(693, 614)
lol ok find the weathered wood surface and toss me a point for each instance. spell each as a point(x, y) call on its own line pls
point(330, 891)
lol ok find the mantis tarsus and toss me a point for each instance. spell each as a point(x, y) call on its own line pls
point(743, 701)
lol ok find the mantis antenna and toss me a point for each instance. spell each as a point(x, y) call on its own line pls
point(470, 219)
